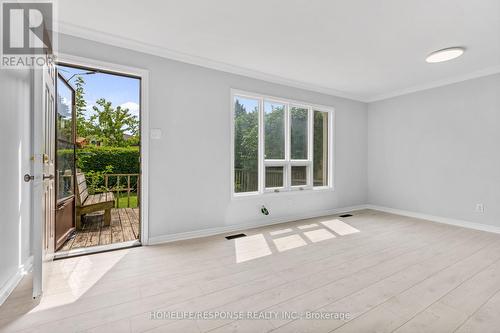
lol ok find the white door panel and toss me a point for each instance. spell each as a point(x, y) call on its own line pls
point(43, 182)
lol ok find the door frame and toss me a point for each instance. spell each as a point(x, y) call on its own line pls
point(143, 74)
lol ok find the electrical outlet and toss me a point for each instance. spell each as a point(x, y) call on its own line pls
point(479, 208)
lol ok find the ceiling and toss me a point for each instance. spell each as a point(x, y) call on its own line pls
point(362, 49)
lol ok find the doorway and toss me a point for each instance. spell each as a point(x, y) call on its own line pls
point(98, 160)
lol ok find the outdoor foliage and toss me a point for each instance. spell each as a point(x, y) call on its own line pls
point(96, 162)
point(298, 133)
point(96, 184)
point(111, 126)
point(274, 130)
point(122, 159)
point(246, 136)
point(320, 162)
point(82, 127)
point(95, 180)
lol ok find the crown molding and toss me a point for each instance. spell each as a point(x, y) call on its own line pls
point(440, 83)
point(138, 46)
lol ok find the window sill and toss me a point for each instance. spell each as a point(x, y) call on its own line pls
point(250, 195)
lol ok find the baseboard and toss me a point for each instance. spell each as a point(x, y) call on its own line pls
point(439, 219)
point(12, 283)
point(240, 227)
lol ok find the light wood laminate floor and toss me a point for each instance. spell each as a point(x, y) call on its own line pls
point(387, 273)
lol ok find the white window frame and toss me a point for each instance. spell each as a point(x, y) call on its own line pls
point(286, 163)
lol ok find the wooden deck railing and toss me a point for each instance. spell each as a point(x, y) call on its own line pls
point(119, 183)
point(246, 180)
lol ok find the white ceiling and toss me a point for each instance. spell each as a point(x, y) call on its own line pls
point(363, 49)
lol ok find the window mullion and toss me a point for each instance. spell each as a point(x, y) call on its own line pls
point(330, 151)
point(310, 145)
point(287, 170)
point(261, 146)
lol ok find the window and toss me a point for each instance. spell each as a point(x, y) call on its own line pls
point(274, 131)
point(274, 177)
point(320, 142)
point(65, 139)
point(298, 133)
point(246, 144)
point(279, 145)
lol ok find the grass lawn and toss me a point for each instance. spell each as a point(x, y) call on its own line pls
point(122, 200)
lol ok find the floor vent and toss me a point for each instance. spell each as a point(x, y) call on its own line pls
point(236, 236)
point(346, 215)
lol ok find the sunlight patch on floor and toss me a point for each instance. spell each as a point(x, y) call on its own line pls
point(261, 245)
point(307, 226)
point(318, 235)
point(251, 247)
point(289, 242)
point(340, 227)
point(71, 279)
point(279, 232)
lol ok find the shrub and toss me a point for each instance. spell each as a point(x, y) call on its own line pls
point(121, 159)
point(95, 162)
point(95, 180)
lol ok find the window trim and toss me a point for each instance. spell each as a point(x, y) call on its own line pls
point(287, 163)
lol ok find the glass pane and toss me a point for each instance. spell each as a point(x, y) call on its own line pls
point(65, 167)
point(246, 145)
point(274, 130)
point(274, 177)
point(299, 175)
point(64, 121)
point(320, 143)
point(298, 146)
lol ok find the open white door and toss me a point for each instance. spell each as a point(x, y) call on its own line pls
point(43, 171)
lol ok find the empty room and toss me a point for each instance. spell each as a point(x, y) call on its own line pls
point(250, 166)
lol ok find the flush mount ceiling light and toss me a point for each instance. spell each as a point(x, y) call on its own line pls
point(445, 54)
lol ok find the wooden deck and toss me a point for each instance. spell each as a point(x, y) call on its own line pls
point(124, 227)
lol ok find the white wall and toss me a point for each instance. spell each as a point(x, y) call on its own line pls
point(190, 164)
point(435, 152)
point(15, 162)
point(438, 151)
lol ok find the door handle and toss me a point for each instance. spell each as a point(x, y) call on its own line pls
point(50, 177)
point(27, 178)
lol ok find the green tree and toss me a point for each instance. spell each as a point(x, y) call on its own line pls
point(298, 137)
point(320, 144)
point(82, 124)
point(274, 130)
point(110, 125)
point(246, 137)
